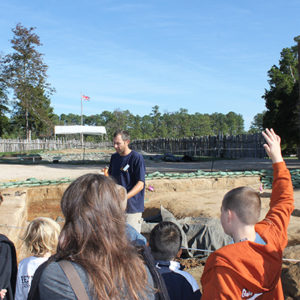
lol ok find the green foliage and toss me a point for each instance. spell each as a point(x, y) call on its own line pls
point(4, 121)
point(156, 125)
point(24, 72)
point(281, 98)
point(257, 123)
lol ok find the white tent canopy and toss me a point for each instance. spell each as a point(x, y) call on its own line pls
point(91, 130)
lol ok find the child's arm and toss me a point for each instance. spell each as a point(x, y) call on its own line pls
point(282, 200)
point(272, 147)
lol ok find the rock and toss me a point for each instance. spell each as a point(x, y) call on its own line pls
point(291, 281)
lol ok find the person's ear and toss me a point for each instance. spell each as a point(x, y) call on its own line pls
point(229, 216)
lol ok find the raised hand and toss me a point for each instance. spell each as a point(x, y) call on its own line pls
point(272, 145)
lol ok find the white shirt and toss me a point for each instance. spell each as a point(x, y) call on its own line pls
point(26, 270)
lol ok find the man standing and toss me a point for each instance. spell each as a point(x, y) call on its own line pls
point(128, 168)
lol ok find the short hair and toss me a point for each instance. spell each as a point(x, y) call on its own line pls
point(165, 241)
point(123, 133)
point(41, 236)
point(245, 202)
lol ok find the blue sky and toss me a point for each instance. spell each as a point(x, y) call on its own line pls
point(205, 56)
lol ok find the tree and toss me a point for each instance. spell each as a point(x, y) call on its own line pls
point(281, 98)
point(257, 123)
point(4, 121)
point(41, 117)
point(235, 123)
point(219, 124)
point(159, 126)
point(25, 73)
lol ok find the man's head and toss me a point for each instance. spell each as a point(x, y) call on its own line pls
point(121, 140)
point(244, 202)
point(165, 241)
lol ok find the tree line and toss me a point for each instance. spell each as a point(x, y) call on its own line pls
point(25, 102)
point(157, 125)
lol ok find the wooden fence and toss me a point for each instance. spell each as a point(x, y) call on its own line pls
point(213, 146)
point(20, 145)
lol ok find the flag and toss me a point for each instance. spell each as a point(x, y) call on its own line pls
point(83, 97)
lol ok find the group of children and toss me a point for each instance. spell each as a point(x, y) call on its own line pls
point(248, 268)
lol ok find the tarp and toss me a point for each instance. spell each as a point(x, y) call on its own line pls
point(197, 233)
point(93, 130)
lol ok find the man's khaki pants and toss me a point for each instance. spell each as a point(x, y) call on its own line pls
point(135, 220)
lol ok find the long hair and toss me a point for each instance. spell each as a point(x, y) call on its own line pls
point(94, 236)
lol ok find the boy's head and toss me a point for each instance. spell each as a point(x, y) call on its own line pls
point(41, 236)
point(165, 241)
point(246, 204)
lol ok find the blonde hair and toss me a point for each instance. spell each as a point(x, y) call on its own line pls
point(41, 236)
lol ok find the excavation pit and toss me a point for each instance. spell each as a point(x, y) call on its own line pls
point(189, 197)
point(182, 197)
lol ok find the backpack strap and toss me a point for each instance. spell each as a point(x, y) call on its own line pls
point(75, 281)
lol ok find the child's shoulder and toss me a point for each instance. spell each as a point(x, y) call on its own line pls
point(32, 260)
point(175, 267)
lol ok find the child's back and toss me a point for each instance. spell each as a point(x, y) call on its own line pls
point(251, 267)
point(26, 270)
point(41, 239)
point(165, 243)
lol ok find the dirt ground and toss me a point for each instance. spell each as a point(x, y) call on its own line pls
point(187, 197)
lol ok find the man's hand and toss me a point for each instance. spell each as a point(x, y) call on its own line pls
point(3, 293)
point(105, 171)
point(136, 189)
point(272, 146)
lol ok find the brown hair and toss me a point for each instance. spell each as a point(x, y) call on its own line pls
point(245, 202)
point(41, 236)
point(94, 237)
point(123, 133)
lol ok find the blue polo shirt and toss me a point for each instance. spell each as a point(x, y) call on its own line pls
point(127, 171)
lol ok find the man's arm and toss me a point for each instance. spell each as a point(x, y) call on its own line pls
point(136, 189)
point(139, 175)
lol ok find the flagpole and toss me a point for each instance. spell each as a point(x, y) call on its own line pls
point(81, 123)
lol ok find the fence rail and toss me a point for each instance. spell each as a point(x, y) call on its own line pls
point(239, 146)
point(20, 145)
